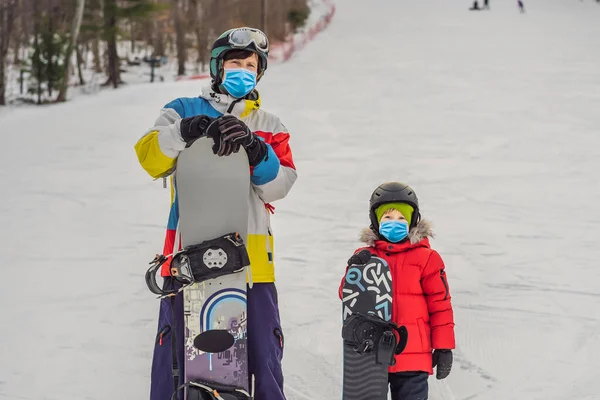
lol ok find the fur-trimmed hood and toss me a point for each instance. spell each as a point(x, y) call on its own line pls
point(422, 230)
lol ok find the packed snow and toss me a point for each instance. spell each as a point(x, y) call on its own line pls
point(492, 116)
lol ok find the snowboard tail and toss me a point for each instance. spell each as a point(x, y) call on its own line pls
point(368, 334)
point(364, 378)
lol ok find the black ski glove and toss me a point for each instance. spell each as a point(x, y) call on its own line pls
point(360, 258)
point(192, 128)
point(230, 133)
point(443, 360)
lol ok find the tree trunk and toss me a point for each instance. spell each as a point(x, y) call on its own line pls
point(216, 18)
point(6, 26)
point(132, 34)
point(110, 25)
point(37, 61)
point(86, 51)
point(17, 37)
point(263, 15)
point(2, 84)
point(158, 41)
point(50, 55)
point(199, 21)
point(79, 62)
point(113, 65)
point(180, 37)
point(96, 54)
point(62, 94)
point(159, 49)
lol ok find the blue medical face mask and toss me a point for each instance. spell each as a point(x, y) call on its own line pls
point(239, 82)
point(394, 231)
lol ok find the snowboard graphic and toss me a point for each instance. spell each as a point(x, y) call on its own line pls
point(212, 193)
point(369, 341)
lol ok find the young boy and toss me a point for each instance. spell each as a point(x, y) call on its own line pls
point(421, 296)
point(228, 111)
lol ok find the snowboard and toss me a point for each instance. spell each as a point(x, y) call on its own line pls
point(212, 195)
point(368, 334)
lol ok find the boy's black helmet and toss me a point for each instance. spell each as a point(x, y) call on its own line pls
point(393, 192)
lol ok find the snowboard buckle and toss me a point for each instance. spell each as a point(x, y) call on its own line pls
point(365, 347)
point(153, 286)
point(387, 347)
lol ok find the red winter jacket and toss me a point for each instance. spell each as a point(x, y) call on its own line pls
point(421, 296)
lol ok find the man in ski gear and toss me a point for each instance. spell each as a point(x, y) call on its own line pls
point(421, 295)
point(228, 111)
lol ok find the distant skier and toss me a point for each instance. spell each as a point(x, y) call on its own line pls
point(486, 4)
point(475, 6)
point(228, 111)
point(421, 299)
point(521, 6)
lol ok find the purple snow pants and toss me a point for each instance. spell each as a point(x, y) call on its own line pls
point(265, 345)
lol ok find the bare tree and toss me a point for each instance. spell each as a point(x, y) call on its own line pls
point(18, 32)
point(72, 42)
point(92, 29)
point(263, 15)
point(110, 26)
point(179, 36)
point(37, 60)
point(7, 13)
point(156, 30)
point(44, 33)
point(79, 63)
point(200, 23)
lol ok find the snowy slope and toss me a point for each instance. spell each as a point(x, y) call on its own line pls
point(493, 117)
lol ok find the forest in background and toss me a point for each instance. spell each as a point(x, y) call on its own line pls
point(50, 43)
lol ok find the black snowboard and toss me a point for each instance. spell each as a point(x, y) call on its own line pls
point(369, 340)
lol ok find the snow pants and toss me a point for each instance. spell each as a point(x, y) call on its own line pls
point(409, 385)
point(265, 344)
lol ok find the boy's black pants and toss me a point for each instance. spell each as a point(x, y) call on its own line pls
point(409, 385)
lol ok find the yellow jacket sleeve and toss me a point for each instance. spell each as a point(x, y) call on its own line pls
point(158, 149)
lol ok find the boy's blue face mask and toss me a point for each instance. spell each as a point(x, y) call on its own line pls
point(394, 231)
point(239, 82)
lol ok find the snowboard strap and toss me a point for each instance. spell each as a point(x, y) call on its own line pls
point(368, 333)
point(198, 390)
point(155, 266)
point(210, 259)
point(175, 364)
point(197, 263)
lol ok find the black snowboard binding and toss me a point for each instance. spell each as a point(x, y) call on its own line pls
point(198, 390)
point(197, 263)
point(370, 333)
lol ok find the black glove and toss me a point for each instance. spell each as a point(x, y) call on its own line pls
point(360, 258)
point(230, 133)
point(192, 128)
point(443, 360)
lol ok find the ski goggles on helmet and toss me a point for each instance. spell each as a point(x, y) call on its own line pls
point(244, 37)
